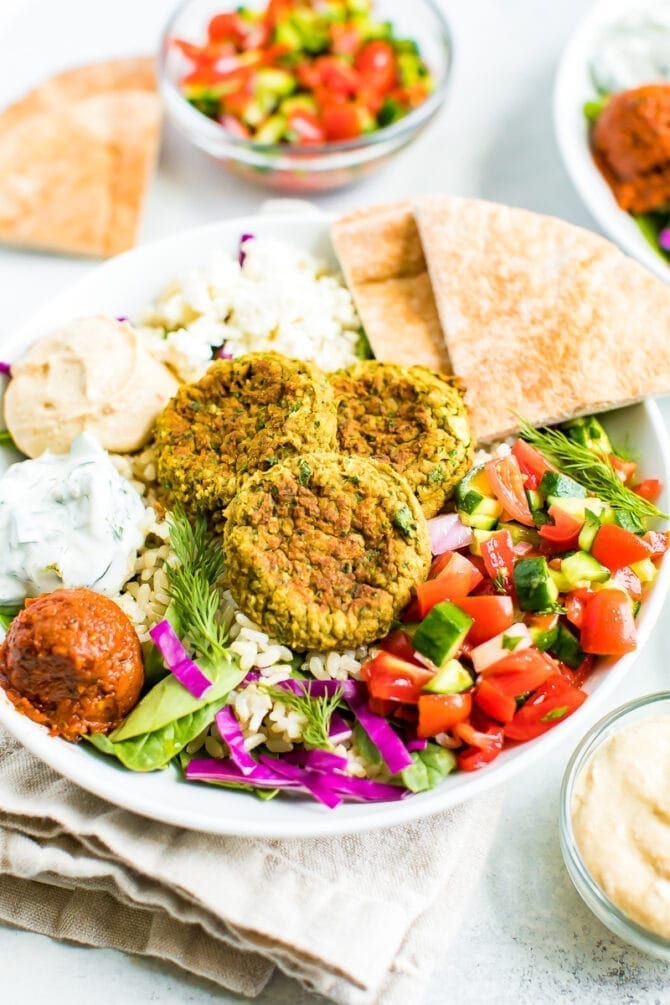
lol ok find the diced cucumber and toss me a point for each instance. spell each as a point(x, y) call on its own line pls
point(272, 130)
point(602, 510)
point(287, 34)
point(567, 648)
point(519, 533)
point(561, 582)
point(645, 570)
point(535, 588)
point(589, 530)
point(544, 631)
point(581, 567)
point(298, 103)
point(410, 68)
point(588, 431)
point(440, 635)
point(555, 484)
point(451, 679)
point(478, 538)
point(535, 499)
point(369, 29)
point(312, 28)
point(257, 110)
point(512, 640)
point(624, 518)
point(279, 83)
point(484, 512)
point(476, 480)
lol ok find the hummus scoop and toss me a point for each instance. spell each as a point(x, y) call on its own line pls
point(93, 375)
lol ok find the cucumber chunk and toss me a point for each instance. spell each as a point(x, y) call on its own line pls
point(581, 567)
point(451, 679)
point(588, 532)
point(567, 649)
point(441, 633)
point(535, 588)
point(555, 484)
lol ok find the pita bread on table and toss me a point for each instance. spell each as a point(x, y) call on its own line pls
point(541, 317)
point(76, 157)
point(380, 252)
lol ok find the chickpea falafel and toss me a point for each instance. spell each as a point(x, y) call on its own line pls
point(325, 550)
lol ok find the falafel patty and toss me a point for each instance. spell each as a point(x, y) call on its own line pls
point(410, 417)
point(245, 414)
point(324, 550)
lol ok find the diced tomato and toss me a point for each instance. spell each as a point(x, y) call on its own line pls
point(574, 604)
point(491, 700)
point(492, 615)
point(399, 644)
point(457, 570)
point(506, 481)
point(657, 541)
point(519, 672)
point(626, 578)
point(345, 38)
point(378, 65)
point(447, 586)
point(580, 674)
point(342, 122)
point(624, 469)
point(564, 531)
point(650, 489)
point(235, 127)
point(531, 462)
point(306, 126)
point(338, 76)
point(439, 712)
point(226, 27)
point(309, 75)
point(390, 678)
point(483, 745)
point(498, 557)
point(554, 701)
point(615, 547)
point(608, 627)
point(383, 708)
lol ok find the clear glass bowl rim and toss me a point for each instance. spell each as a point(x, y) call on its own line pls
point(237, 147)
point(591, 893)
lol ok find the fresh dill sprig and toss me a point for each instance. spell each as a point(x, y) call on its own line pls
point(594, 472)
point(193, 584)
point(317, 711)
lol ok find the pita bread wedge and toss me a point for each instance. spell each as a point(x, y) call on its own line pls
point(76, 159)
point(382, 259)
point(541, 317)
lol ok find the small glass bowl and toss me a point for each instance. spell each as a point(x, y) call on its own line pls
point(313, 168)
point(591, 893)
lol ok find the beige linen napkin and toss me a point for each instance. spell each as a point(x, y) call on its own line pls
point(358, 919)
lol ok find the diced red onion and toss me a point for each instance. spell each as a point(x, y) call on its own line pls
point(390, 746)
point(340, 730)
point(121, 318)
point(316, 760)
point(310, 780)
point(417, 743)
point(447, 533)
point(222, 353)
point(664, 239)
point(177, 660)
point(366, 790)
point(6, 368)
point(242, 253)
point(230, 731)
point(208, 769)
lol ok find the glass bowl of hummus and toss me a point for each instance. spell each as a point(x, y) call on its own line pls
point(615, 822)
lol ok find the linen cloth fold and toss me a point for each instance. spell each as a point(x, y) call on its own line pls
point(358, 919)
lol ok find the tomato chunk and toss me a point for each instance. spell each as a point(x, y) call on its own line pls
point(490, 699)
point(399, 644)
point(650, 489)
point(531, 461)
point(492, 615)
point(615, 547)
point(554, 701)
point(440, 712)
point(459, 572)
point(498, 556)
point(507, 483)
point(608, 626)
point(390, 678)
point(483, 745)
point(564, 531)
point(452, 584)
point(377, 65)
point(519, 672)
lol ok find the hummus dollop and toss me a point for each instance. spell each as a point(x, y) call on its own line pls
point(93, 375)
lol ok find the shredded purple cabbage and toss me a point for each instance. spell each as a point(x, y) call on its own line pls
point(316, 760)
point(208, 769)
point(177, 660)
point(366, 790)
point(242, 253)
point(230, 731)
point(340, 730)
point(6, 368)
point(417, 743)
point(393, 751)
point(315, 783)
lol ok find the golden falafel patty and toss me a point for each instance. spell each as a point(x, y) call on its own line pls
point(410, 417)
point(244, 415)
point(324, 550)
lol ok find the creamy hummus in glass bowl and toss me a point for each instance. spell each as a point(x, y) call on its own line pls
point(615, 822)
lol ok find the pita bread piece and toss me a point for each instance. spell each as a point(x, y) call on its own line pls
point(382, 259)
point(541, 317)
point(73, 174)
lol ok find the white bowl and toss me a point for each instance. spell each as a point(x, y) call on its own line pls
point(573, 87)
point(124, 286)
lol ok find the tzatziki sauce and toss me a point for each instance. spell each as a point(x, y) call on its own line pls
point(633, 51)
point(67, 520)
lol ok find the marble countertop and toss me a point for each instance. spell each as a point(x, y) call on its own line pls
point(527, 936)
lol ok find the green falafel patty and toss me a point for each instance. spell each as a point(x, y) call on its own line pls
point(410, 417)
point(324, 550)
point(244, 415)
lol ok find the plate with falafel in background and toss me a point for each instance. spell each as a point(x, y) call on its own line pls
point(611, 98)
point(290, 548)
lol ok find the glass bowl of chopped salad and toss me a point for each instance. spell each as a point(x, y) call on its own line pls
point(304, 96)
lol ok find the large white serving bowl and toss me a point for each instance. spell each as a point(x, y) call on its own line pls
point(124, 286)
point(572, 88)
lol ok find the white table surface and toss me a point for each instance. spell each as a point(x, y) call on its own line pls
point(528, 938)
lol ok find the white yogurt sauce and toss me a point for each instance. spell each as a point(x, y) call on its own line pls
point(67, 520)
point(633, 51)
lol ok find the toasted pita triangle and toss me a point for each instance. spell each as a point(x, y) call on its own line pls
point(382, 258)
point(541, 317)
point(76, 159)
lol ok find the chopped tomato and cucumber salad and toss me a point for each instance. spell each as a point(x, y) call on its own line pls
point(541, 569)
point(303, 73)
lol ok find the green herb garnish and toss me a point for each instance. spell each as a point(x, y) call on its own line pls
point(595, 473)
point(304, 472)
point(404, 521)
point(556, 713)
point(193, 584)
point(510, 642)
point(317, 711)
